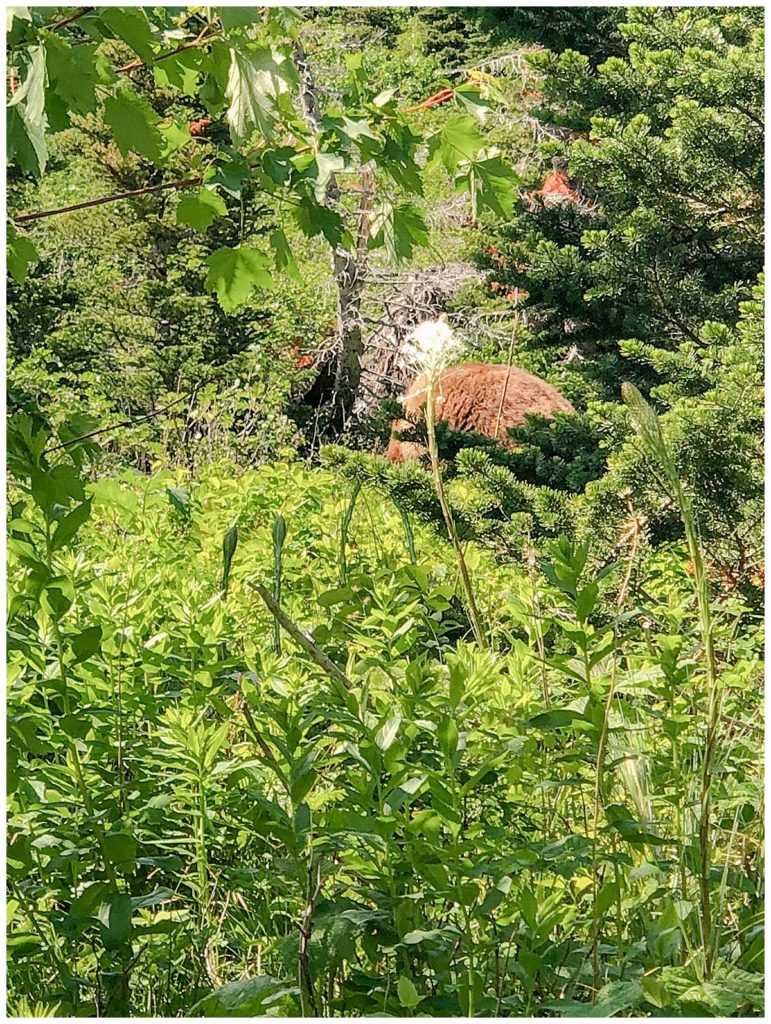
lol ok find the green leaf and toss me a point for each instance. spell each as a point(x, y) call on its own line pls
point(399, 228)
point(338, 595)
point(130, 24)
point(175, 137)
point(402, 794)
point(388, 731)
point(459, 140)
point(87, 643)
point(76, 726)
point(251, 997)
point(302, 783)
point(115, 917)
point(70, 525)
point(470, 97)
point(611, 1000)
point(285, 261)
point(327, 164)
point(200, 208)
point(234, 273)
point(181, 71)
point(121, 849)
point(256, 79)
point(180, 499)
point(229, 544)
point(559, 719)
point(730, 992)
point(159, 895)
point(408, 994)
point(58, 596)
point(73, 72)
point(27, 120)
point(238, 17)
point(447, 734)
point(315, 219)
point(279, 532)
point(85, 904)
point(133, 123)
point(21, 253)
point(414, 937)
point(492, 186)
point(606, 897)
point(18, 13)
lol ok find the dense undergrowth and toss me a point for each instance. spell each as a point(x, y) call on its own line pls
point(205, 820)
point(355, 738)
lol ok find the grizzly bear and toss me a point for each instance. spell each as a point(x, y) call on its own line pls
point(468, 397)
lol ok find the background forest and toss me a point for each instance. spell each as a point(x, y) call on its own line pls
point(294, 730)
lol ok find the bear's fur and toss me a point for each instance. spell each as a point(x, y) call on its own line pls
point(468, 397)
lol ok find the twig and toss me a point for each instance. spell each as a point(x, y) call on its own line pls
point(66, 21)
point(310, 648)
point(25, 218)
point(138, 63)
point(268, 754)
point(306, 930)
point(124, 423)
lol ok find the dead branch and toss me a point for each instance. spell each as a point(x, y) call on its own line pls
point(25, 218)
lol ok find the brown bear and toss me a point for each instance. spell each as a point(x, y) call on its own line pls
point(468, 397)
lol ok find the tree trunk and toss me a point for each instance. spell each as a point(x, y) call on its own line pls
point(348, 267)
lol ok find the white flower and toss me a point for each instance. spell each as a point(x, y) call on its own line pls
point(431, 347)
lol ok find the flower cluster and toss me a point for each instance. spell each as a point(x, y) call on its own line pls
point(431, 347)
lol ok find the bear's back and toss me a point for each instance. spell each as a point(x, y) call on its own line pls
point(468, 397)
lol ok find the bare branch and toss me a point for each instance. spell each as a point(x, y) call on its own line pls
point(310, 648)
point(25, 218)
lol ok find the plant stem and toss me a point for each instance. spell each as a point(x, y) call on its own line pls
point(310, 648)
point(476, 621)
point(701, 586)
point(344, 526)
point(72, 749)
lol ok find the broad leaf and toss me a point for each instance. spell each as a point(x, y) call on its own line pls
point(72, 71)
point(70, 525)
point(459, 140)
point(234, 273)
point(256, 79)
point(408, 994)
point(251, 997)
point(315, 219)
point(182, 71)
point(199, 209)
point(399, 228)
point(130, 24)
point(387, 733)
point(285, 261)
point(492, 186)
point(115, 917)
point(27, 119)
point(133, 123)
point(238, 17)
point(87, 643)
point(21, 253)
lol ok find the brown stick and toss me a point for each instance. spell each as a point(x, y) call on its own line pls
point(66, 21)
point(123, 423)
point(25, 218)
point(310, 648)
point(138, 63)
point(508, 372)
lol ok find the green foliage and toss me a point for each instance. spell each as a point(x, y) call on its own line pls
point(652, 281)
point(347, 805)
point(418, 840)
point(255, 78)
